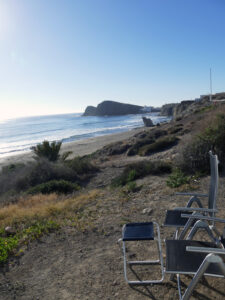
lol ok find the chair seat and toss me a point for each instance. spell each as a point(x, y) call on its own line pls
point(138, 231)
point(180, 261)
point(173, 218)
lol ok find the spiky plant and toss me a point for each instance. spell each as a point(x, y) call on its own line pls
point(49, 150)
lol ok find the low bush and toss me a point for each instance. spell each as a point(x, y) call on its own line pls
point(21, 177)
point(134, 149)
point(43, 171)
point(159, 145)
point(7, 245)
point(81, 165)
point(146, 138)
point(175, 129)
point(141, 169)
point(54, 186)
point(177, 178)
point(195, 154)
point(132, 187)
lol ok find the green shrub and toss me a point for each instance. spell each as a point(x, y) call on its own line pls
point(43, 171)
point(177, 178)
point(141, 169)
point(159, 145)
point(81, 165)
point(138, 144)
point(54, 186)
point(195, 155)
point(175, 129)
point(7, 244)
point(47, 150)
point(132, 187)
point(145, 139)
point(19, 178)
point(50, 151)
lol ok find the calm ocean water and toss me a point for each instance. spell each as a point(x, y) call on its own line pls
point(18, 135)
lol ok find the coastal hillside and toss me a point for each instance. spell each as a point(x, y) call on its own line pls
point(187, 107)
point(61, 217)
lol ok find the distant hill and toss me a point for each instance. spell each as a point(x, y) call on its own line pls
point(113, 108)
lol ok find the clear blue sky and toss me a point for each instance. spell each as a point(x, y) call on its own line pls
point(59, 56)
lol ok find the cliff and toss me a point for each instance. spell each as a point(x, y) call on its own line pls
point(112, 108)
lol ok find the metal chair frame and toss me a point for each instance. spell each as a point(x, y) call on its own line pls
point(195, 198)
point(143, 262)
point(213, 256)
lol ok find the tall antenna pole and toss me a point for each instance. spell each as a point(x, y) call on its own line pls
point(210, 78)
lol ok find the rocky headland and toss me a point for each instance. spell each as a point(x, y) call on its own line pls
point(113, 108)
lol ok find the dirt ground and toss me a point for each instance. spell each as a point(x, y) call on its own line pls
point(88, 265)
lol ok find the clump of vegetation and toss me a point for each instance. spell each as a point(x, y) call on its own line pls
point(18, 178)
point(177, 178)
point(195, 155)
point(141, 169)
point(145, 139)
point(159, 145)
point(175, 129)
point(205, 109)
point(81, 165)
point(50, 151)
point(114, 148)
point(8, 243)
point(54, 186)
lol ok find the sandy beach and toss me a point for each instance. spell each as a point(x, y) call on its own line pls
point(81, 147)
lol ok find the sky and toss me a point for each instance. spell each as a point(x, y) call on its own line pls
point(58, 56)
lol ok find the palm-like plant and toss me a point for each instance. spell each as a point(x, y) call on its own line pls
point(49, 150)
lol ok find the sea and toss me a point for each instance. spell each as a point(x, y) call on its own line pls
point(18, 135)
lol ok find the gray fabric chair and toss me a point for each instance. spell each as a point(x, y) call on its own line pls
point(196, 258)
point(134, 232)
point(174, 218)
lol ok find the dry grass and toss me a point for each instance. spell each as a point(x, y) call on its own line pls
point(41, 206)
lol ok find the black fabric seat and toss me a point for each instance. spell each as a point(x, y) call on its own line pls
point(138, 231)
point(180, 261)
point(173, 218)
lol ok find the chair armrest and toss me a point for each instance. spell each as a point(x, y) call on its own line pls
point(192, 194)
point(205, 250)
point(200, 217)
point(198, 209)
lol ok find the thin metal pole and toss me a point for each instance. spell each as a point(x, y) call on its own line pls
point(210, 84)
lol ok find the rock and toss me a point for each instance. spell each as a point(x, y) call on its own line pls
point(167, 109)
point(10, 231)
point(90, 111)
point(147, 122)
point(112, 108)
point(147, 211)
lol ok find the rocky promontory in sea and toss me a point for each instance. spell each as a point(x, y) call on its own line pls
point(113, 108)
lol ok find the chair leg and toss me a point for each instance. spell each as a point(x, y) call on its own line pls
point(210, 258)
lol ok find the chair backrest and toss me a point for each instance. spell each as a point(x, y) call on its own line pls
point(214, 182)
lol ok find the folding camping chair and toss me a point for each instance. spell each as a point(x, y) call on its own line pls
point(196, 258)
point(141, 232)
point(173, 217)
